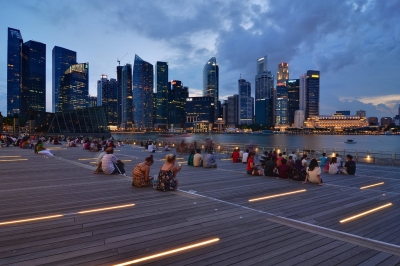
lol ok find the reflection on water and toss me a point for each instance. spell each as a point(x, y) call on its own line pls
point(364, 142)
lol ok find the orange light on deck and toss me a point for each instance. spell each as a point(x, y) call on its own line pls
point(126, 160)
point(85, 159)
point(32, 219)
point(8, 156)
point(13, 160)
point(365, 213)
point(278, 195)
point(169, 252)
point(107, 208)
point(373, 185)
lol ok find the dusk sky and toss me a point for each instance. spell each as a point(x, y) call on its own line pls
point(353, 43)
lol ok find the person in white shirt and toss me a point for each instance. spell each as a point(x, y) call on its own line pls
point(198, 158)
point(150, 148)
point(333, 166)
point(313, 173)
point(245, 156)
point(304, 160)
point(339, 160)
point(294, 157)
point(110, 164)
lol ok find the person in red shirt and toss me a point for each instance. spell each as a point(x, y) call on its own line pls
point(235, 156)
point(251, 168)
point(283, 169)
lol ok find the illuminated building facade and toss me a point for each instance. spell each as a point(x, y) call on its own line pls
point(163, 86)
point(264, 112)
point(264, 93)
point(246, 103)
point(361, 113)
point(302, 93)
point(14, 71)
point(142, 83)
point(232, 113)
point(298, 119)
point(283, 72)
point(177, 96)
point(373, 121)
point(74, 90)
point(337, 122)
point(386, 121)
point(343, 112)
point(211, 82)
point(126, 104)
point(107, 97)
point(199, 110)
point(62, 59)
point(312, 93)
point(293, 89)
point(281, 105)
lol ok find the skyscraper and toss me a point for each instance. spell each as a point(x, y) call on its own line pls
point(177, 104)
point(245, 103)
point(162, 95)
point(283, 72)
point(14, 71)
point(312, 93)
point(107, 94)
point(293, 88)
point(211, 82)
point(74, 91)
point(119, 93)
point(126, 98)
point(62, 59)
point(33, 94)
point(264, 93)
point(302, 93)
point(142, 82)
point(233, 107)
point(281, 105)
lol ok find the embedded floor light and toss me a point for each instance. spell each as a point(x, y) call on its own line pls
point(168, 252)
point(32, 219)
point(85, 159)
point(365, 213)
point(9, 156)
point(278, 195)
point(13, 160)
point(126, 160)
point(373, 185)
point(107, 208)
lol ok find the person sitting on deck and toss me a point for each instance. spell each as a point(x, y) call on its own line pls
point(324, 162)
point(270, 167)
point(339, 160)
point(333, 166)
point(191, 157)
point(40, 149)
point(25, 144)
point(283, 169)
point(298, 172)
point(313, 173)
point(98, 162)
point(252, 168)
point(235, 156)
point(110, 164)
point(198, 158)
point(167, 176)
point(167, 148)
point(209, 160)
point(151, 148)
point(245, 156)
point(141, 173)
point(349, 166)
point(304, 160)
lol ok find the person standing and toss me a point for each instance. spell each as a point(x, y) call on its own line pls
point(245, 156)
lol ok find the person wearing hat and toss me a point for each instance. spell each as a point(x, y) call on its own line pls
point(349, 166)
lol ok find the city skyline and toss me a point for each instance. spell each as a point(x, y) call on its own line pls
point(348, 42)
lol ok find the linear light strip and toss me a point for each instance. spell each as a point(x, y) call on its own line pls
point(278, 195)
point(169, 252)
point(32, 219)
point(14, 160)
point(365, 213)
point(85, 159)
point(373, 185)
point(108, 208)
point(9, 156)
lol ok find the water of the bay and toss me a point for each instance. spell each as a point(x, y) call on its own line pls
point(363, 142)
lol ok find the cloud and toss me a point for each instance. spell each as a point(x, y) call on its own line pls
point(195, 92)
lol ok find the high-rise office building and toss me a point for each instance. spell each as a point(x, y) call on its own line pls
point(312, 93)
point(361, 113)
point(264, 93)
point(33, 94)
point(107, 96)
point(245, 103)
point(385, 121)
point(283, 72)
point(232, 113)
point(74, 91)
point(211, 82)
point(399, 110)
point(177, 96)
point(14, 71)
point(92, 101)
point(293, 88)
point(162, 95)
point(373, 121)
point(302, 93)
point(119, 93)
point(281, 105)
point(347, 112)
point(142, 82)
point(62, 59)
point(126, 98)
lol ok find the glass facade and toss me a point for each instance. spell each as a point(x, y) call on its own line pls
point(246, 103)
point(108, 92)
point(211, 82)
point(293, 88)
point(119, 93)
point(283, 72)
point(264, 112)
point(162, 94)
point(62, 60)
point(281, 105)
point(33, 95)
point(199, 109)
point(82, 121)
point(142, 82)
point(177, 96)
point(14, 71)
point(74, 91)
point(232, 113)
point(126, 105)
point(312, 93)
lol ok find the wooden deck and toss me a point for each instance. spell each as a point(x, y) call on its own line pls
point(296, 229)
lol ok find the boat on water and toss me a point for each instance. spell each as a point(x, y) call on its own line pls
point(267, 132)
point(174, 133)
point(350, 141)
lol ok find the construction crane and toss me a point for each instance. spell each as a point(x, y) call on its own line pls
point(119, 61)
